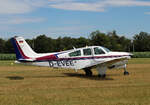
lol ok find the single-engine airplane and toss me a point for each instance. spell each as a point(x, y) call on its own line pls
point(84, 58)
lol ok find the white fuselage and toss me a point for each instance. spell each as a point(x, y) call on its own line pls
point(84, 61)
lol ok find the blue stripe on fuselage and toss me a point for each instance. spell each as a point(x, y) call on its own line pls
point(18, 54)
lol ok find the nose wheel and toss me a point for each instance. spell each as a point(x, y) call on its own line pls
point(126, 73)
point(125, 70)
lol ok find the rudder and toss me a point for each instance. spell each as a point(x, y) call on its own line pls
point(22, 49)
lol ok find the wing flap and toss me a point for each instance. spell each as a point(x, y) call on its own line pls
point(110, 62)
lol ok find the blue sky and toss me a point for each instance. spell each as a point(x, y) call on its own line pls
point(75, 18)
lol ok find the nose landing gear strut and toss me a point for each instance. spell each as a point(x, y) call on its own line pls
point(125, 70)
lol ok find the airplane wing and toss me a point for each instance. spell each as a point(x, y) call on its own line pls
point(26, 60)
point(109, 62)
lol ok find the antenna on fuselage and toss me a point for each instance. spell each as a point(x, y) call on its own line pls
point(74, 48)
point(86, 46)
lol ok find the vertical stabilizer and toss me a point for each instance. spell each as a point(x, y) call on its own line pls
point(22, 49)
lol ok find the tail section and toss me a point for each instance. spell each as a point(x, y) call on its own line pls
point(23, 50)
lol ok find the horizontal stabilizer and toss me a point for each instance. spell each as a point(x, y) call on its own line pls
point(26, 60)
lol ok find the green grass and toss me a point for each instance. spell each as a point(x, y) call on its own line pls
point(139, 61)
point(29, 85)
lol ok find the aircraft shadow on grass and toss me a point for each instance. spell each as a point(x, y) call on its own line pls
point(94, 77)
point(22, 78)
point(15, 77)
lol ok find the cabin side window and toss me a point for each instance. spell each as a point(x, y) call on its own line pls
point(75, 53)
point(87, 51)
point(98, 51)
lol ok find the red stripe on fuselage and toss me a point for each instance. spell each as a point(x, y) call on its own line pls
point(49, 57)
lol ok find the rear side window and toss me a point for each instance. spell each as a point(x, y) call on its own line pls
point(75, 53)
point(98, 51)
point(87, 51)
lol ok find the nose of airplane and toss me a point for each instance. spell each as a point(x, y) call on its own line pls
point(130, 54)
point(127, 54)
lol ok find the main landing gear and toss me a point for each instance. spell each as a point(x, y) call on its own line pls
point(101, 76)
point(102, 71)
point(88, 72)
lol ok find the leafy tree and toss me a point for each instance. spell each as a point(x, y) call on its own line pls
point(142, 41)
point(2, 45)
point(8, 46)
point(30, 42)
point(81, 42)
point(111, 40)
point(119, 43)
point(59, 44)
point(67, 43)
point(125, 43)
point(99, 39)
point(43, 44)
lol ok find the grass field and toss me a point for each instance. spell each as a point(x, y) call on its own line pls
point(28, 85)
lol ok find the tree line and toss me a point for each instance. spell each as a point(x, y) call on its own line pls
point(114, 42)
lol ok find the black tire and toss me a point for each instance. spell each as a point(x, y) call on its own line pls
point(88, 72)
point(126, 73)
point(102, 76)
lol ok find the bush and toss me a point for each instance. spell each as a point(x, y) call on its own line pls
point(7, 57)
point(141, 55)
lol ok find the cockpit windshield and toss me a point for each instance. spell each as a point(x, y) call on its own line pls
point(98, 50)
point(106, 49)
